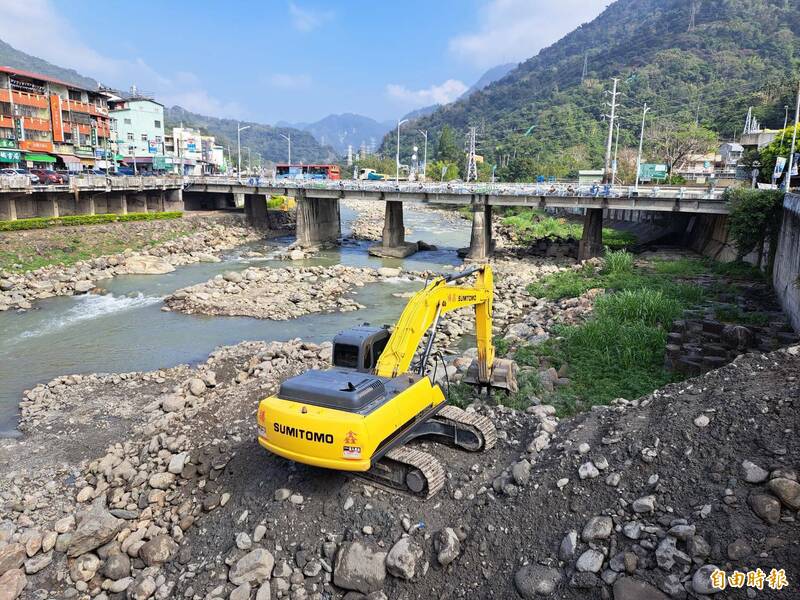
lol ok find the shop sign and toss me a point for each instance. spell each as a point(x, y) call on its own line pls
point(10, 156)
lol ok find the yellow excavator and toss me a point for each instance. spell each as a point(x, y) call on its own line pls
point(359, 415)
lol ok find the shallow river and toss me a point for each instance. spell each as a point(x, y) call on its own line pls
point(126, 330)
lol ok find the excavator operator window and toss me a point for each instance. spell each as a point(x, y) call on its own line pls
point(345, 355)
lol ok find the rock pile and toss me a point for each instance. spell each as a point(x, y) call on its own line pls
point(277, 294)
point(19, 291)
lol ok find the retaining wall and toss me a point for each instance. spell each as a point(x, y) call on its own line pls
point(786, 276)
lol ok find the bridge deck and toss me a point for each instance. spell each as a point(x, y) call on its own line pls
point(646, 198)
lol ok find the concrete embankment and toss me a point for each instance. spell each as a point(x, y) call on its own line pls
point(786, 277)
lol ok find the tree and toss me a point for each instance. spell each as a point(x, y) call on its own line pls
point(436, 169)
point(447, 149)
point(674, 142)
point(755, 218)
point(778, 147)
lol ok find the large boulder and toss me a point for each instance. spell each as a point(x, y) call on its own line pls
point(255, 566)
point(158, 550)
point(12, 583)
point(96, 527)
point(447, 546)
point(626, 588)
point(403, 558)
point(359, 567)
point(11, 557)
point(536, 580)
point(147, 265)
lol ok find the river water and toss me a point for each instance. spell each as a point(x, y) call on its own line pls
point(126, 330)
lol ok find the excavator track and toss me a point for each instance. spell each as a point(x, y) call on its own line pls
point(479, 425)
point(407, 470)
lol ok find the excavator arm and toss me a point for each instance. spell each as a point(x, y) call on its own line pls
point(423, 312)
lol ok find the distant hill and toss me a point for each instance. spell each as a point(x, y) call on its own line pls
point(262, 139)
point(11, 57)
point(704, 60)
point(339, 131)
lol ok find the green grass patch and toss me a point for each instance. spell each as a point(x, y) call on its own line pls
point(534, 224)
point(693, 267)
point(74, 220)
point(733, 314)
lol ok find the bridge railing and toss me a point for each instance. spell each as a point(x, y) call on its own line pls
point(458, 188)
point(22, 183)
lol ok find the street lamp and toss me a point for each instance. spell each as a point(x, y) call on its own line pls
point(639, 156)
point(424, 133)
point(288, 138)
point(397, 155)
point(239, 130)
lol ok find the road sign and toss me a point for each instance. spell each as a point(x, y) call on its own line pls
point(651, 171)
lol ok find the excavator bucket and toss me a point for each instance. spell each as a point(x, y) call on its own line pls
point(503, 375)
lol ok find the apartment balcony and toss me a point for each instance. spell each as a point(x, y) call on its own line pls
point(84, 107)
point(6, 122)
point(25, 99)
point(35, 124)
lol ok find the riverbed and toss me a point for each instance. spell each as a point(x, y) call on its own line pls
point(125, 329)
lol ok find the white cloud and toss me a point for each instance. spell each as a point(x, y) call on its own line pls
point(35, 27)
point(308, 19)
point(514, 30)
point(288, 81)
point(436, 94)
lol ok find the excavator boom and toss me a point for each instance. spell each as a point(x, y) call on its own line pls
point(422, 314)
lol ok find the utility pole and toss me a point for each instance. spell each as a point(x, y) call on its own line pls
point(239, 130)
point(612, 117)
point(424, 133)
point(639, 156)
point(472, 168)
point(614, 162)
point(397, 155)
point(785, 121)
point(794, 139)
point(288, 138)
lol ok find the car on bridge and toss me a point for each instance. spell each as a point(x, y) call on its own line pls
point(50, 177)
point(9, 172)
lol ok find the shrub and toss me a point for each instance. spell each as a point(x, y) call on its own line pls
point(618, 262)
point(74, 220)
point(648, 306)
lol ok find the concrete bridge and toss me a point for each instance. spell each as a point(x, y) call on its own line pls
point(318, 204)
point(89, 195)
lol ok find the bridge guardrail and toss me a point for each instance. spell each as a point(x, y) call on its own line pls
point(499, 189)
point(22, 184)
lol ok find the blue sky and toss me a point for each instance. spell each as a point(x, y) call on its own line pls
point(296, 60)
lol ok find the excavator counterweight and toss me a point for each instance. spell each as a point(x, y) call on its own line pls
point(359, 415)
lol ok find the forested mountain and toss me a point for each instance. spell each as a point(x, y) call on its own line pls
point(262, 139)
point(11, 57)
point(701, 61)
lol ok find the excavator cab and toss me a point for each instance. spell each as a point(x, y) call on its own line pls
point(359, 347)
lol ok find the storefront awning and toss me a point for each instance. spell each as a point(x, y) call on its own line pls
point(44, 158)
point(69, 158)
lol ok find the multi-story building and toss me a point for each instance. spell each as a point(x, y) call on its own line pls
point(48, 122)
point(138, 122)
point(195, 153)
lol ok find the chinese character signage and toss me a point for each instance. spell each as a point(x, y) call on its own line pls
point(10, 156)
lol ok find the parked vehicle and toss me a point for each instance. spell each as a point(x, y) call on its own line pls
point(50, 177)
point(124, 171)
point(17, 172)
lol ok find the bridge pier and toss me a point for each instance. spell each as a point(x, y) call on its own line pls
point(84, 205)
point(255, 208)
point(591, 243)
point(47, 206)
point(137, 203)
point(480, 242)
point(8, 209)
point(393, 241)
point(317, 220)
point(117, 204)
point(173, 200)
